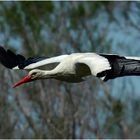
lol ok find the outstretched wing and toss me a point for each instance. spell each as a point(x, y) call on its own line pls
point(17, 61)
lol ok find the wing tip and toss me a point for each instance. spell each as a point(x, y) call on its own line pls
point(10, 59)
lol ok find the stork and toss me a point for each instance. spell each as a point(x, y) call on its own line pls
point(71, 67)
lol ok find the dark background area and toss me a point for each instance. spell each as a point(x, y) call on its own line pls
point(55, 109)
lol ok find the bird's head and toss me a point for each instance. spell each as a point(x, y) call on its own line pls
point(32, 75)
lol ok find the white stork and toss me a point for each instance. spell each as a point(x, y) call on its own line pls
point(71, 67)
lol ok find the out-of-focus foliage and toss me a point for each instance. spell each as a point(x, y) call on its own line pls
point(54, 109)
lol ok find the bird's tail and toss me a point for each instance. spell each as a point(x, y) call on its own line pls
point(129, 67)
point(123, 66)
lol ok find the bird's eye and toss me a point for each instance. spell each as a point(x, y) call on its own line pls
point(33, 74)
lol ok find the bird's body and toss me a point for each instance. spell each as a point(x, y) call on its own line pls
point(72, 67)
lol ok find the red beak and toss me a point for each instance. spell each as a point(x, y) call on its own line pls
point(23, 80)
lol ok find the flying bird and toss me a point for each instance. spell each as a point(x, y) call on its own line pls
point(71, 67)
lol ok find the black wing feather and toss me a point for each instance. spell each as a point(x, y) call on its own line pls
point(11, 60)
point(31, 60)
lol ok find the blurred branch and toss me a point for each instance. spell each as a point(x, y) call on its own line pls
point(28, 118)
point(72, 110)
point(89, 33)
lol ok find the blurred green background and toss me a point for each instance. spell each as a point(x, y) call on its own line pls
point(54, 109)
